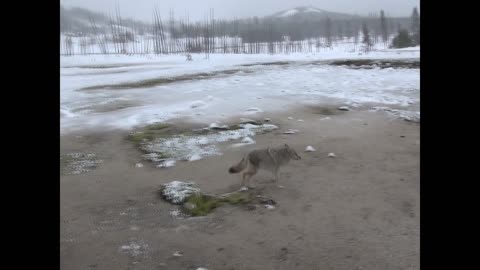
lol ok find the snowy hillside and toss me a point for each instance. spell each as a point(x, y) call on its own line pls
point(311, 12)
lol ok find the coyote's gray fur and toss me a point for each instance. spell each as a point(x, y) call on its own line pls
point(270, 159)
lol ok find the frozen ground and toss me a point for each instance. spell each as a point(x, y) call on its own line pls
point(239, 88)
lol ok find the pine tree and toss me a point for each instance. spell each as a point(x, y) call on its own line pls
point(415, 26)
point(402, 40)
point(348, 30)
point(328, 32)
point(340, 32)
point(383, 25)
point(415, 21)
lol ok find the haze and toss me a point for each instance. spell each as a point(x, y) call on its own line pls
point(197, 9)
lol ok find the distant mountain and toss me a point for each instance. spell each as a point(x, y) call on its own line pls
point(311, 13)
point(79, 21)
point(75, 20)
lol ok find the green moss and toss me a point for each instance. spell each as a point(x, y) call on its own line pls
point(158, 126)
point(202, 204)
point(139, 137)
point(234, 127)
point(238, 198)
point(149, 133)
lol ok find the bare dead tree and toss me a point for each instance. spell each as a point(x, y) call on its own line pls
point(159, 34)
point(96, 33)
point(366, 37)
point(121, 31)
point(69, 50)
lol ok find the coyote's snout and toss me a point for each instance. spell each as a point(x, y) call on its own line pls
point(270, 159)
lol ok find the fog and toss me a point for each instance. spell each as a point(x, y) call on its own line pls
point(197, 9)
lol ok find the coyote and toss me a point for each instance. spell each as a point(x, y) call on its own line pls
point(268, 159)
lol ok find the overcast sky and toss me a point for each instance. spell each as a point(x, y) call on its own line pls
point(142, 9)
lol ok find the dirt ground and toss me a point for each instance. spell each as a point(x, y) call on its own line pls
point(359, 210)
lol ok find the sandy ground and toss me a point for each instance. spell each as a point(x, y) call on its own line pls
point(359, 210)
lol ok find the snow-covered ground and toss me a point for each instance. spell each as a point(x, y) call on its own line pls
point(248, 90)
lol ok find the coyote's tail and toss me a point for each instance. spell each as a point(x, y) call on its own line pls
point(239, 167)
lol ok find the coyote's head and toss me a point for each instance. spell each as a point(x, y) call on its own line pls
point(292, 153)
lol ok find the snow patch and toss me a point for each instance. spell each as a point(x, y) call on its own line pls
point(166, 163)
point(197, 103)
point(244, 141)
point(177, 191)
point(78, 163)
point(411, 116)
point(290, 131)
point(289, 13)
point(217, 126)
point(253, 110)
point(134, 249)
point(196, 147)
point(248, 140)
